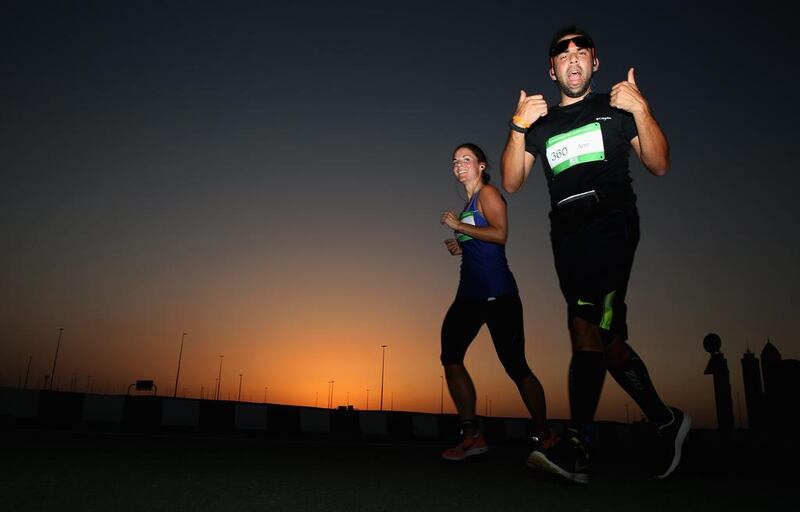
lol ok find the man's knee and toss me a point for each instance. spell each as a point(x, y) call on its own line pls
point(585, 335)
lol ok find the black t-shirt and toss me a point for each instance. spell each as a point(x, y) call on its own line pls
point(589, 145)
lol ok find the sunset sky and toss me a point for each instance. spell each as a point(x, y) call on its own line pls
point(268, 177)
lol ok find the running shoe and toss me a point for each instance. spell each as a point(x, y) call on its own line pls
point(565, 457)
point(668, 441)
point(467, 447)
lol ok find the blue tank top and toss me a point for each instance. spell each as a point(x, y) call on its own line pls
point(484, 269)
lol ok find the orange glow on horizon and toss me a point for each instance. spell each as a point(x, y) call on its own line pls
point(295, 343)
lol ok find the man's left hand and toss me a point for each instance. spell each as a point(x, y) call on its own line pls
point(626, 96)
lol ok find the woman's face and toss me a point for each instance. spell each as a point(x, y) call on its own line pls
point(466, 166)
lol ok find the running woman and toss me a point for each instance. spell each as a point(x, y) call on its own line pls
point(487, 294)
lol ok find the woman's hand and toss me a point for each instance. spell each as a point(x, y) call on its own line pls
point(450, 219)
point(452, 246)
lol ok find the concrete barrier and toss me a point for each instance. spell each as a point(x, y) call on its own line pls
point(425, 425)
point(103, 408)
point(180, 413)
point(373, 423)
point(19, 403)
point(251, 417)
point(517, 428)
point(66, 410)
point(315, 420)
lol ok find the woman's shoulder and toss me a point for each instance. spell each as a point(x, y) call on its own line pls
point(490, 193)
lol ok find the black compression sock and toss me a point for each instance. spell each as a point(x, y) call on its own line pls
point(587, 370)
point(630, 373)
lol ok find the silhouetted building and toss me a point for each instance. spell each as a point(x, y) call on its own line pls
point(771, 368)
point(781, 378)
point(753, 392)
point(718, 367)
point(771, 373)
point(790, 374)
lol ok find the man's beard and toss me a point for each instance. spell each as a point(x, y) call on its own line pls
point(576, 94)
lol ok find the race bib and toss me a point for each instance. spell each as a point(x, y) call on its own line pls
point(466, 218)
point(581, 145)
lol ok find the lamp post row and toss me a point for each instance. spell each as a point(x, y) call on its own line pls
point(219, 378)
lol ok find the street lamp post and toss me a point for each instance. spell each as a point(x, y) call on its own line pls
point(367, 407)
point(383, 360)
point(180, 355)
point(58, 345)
point(265, 394)
point(28, 372)
point(239, 399)
point(219, 379)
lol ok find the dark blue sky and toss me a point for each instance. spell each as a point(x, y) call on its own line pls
point(204, 156)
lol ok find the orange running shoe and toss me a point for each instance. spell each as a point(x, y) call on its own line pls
point(467, 447)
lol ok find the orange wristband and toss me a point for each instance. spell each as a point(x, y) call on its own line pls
point(520, 122)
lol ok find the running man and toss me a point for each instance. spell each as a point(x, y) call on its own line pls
point(584, 144)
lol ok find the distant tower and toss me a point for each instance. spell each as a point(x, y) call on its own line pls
point(791, 375)
point(790, 372)
point(771, 369)
point(781, 381)
point(753, 393)
point(718, 367)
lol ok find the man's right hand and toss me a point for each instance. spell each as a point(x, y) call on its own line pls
point(530, 108)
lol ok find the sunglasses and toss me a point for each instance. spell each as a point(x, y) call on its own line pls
point(563, 45)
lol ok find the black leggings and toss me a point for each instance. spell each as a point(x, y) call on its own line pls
point(503, 316)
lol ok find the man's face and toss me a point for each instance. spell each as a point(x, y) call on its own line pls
point(573, 65)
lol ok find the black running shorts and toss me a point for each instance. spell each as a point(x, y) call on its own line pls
point(593, 249)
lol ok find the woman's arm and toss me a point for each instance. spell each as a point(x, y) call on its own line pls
point(493, 208)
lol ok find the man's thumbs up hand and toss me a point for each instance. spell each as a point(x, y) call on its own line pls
point(625, 95)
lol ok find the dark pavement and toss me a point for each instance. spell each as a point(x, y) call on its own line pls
point(60, 471)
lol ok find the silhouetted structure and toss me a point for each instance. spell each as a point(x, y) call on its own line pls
point(791, 376)
point(771, 372)
point(144, 385)
point(718, 367)
point(791, 385)
point(781, 382)
point(753, 392)
point(771, 368)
